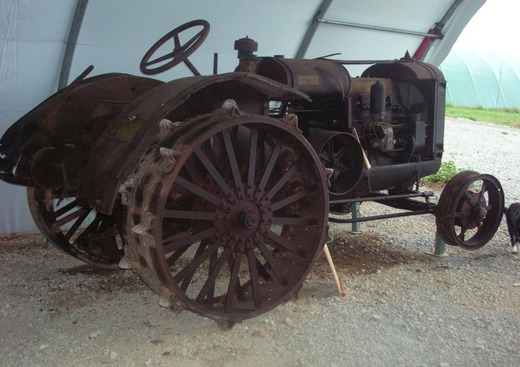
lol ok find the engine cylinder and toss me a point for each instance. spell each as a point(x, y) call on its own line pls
point(377, 101)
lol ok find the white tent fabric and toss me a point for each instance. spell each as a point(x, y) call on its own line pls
point(114, 35)
point(485, 78)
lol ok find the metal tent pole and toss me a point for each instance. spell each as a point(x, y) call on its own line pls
point(72, 40)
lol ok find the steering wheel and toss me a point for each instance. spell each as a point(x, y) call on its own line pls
point(180, 51)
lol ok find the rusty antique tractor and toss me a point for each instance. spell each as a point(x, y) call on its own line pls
point(217, 189)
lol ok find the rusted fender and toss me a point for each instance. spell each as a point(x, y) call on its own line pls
point(136, 128)
point(73, 118)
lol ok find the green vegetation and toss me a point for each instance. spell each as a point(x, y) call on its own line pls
point(445, 173)
point(501, 116)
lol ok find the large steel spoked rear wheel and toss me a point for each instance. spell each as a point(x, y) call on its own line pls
point(83, 233)
point(231, 226)
point(470, 210)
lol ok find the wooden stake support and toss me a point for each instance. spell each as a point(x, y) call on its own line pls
point(337, 280)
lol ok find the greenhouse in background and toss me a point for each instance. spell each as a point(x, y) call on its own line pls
point(482, 78)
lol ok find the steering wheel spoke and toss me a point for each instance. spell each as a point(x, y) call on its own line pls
point(176, 42)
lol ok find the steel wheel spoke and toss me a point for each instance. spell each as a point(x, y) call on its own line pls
point(76, 225)
point(234, 282)
point(342, 169)
point(91, 228)
point(210, 298)
point(188, 275)
point(253, 273)
point(96, 244)
point(469, 197)
point(294, 221)
point(186, 214)
point(462, 234)
point(269, 168)
point(212, 170)
point(197, 260)
point(194, 172)
point(68, 218)
point(235, 171)
point(272, 263)
point(283, 180)
point(251, 173)
point(341, 152)
point(209, 285)
point(482, 191)
point(65, 209)
point(330, 150)
point(171, 244)
point(262, 271)
point(172, 259)
point(194, 189)
point(290, 199)
point(281, 243)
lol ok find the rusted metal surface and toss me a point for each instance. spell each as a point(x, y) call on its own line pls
point(216, 189)
point(246, 48)
point(81, 232)
point(136, 128)
point(241, 198)
point(470, 210)
point(317, 78)
point(66, 126)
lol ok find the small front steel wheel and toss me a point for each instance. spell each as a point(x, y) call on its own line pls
point(83, 233)
point(470, 210)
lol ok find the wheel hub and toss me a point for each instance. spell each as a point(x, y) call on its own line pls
point(247, 218)
point(473, 214)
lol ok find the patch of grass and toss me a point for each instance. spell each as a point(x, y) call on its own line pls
point(500, 116)
point(445, 173)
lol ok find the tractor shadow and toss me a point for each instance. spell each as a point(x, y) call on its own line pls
point(365, 254)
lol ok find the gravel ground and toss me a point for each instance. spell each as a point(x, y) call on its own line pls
point(404, 307)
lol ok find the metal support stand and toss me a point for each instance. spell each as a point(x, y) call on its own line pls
point(440, 245)
point(356, 226)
